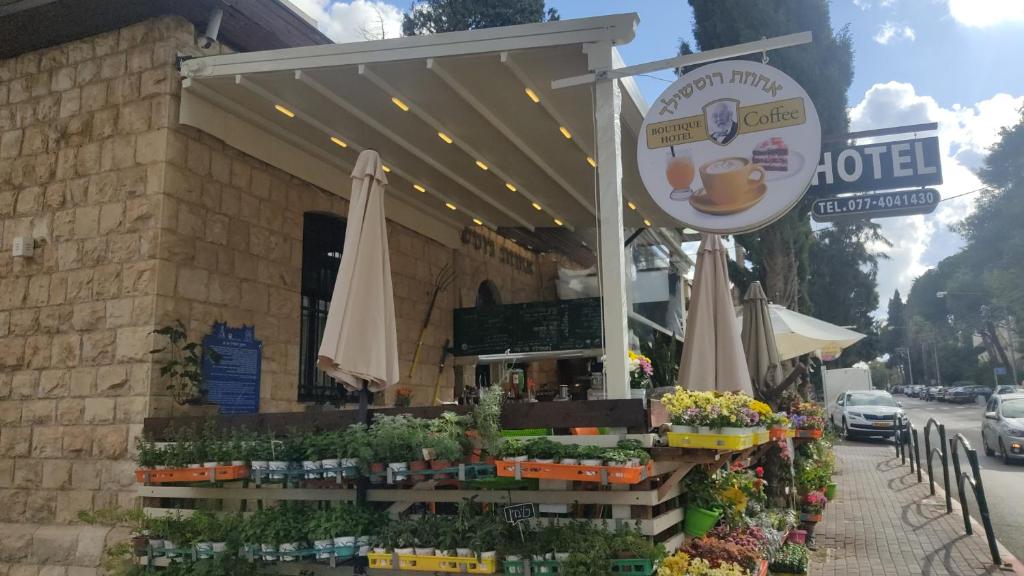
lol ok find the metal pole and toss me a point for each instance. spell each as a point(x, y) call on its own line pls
point(910, 365)
point(938, 374)
point(917, 454)
point(979, 495)
point(945, 468)
point(924, 364)
point(960, 486)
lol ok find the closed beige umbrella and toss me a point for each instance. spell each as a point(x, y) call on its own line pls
point(712, 352)
point(758, 338)
point(360, 344)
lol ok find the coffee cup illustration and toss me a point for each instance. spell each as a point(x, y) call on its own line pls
point(730, 185)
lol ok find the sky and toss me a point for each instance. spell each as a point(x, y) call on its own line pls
point(955, 62)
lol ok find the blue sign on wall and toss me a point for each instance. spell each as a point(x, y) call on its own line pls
point(234, 382)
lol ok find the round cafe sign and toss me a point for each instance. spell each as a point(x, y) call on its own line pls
point(729, 147)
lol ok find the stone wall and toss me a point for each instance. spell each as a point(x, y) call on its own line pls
point(138, 222)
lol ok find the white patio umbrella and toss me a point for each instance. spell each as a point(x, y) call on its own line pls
point(712, 353)
point(797, 334)
point(360, 345)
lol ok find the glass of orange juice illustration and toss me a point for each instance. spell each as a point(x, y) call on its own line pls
point(679, 172)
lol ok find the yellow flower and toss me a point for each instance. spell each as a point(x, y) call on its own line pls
point(676, 565)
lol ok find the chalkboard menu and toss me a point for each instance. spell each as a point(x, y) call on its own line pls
point(233, 382)
point(529, 327)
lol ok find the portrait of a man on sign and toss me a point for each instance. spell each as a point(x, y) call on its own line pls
point(720, 116)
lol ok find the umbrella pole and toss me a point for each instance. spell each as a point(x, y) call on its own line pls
point(363, 417)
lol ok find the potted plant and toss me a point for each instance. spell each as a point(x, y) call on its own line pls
point(618, 457)
point(292, 532)
point(260, 453)
point(513, 449)
point(487, 419)
point(150, 456)
point(542, 450)
point(791, 559)
point(445, 451)
point(403, 535)
point(703, 508)
point(570, 454)
point(813, 504)
point(183, 365)
point(640, 372)
point(212, 533)
point(354, 450)
point(397, 440)
point(426, 533)
point(591, 455)
point(311, 450)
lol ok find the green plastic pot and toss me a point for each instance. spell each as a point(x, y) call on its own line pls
point(830, 491)
point(698, 521)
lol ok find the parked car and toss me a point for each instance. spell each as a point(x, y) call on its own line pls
point(929, 393)
point(912, 391)
point(1002, 430)
point(1007, 389)
point(898, 390)
point(962, 394)
point(940, 393)
point(865, 413)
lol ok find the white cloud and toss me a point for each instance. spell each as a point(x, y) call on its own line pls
point(890, 31)
point(354, 21)
point(985, 13)
point(965, 135)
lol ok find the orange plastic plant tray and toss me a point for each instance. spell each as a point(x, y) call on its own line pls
point(806, 433)
point(778, 433)
point(172, 475)
point(576, 473)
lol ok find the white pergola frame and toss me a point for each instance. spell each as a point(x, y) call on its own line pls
point(616, 100)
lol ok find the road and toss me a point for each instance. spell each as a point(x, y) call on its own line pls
point(1002, 482)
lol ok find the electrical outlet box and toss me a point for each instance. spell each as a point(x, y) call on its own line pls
point(23, 247)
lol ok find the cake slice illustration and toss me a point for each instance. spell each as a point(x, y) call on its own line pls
point(772, 154)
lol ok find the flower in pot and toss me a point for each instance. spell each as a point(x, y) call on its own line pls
point(513, 449)
point(814, 502)
point(640, 372)
point(542, 450)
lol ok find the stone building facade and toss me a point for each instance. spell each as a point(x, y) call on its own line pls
point(137, 222)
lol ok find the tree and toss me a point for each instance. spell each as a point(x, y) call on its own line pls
point(983, 284)
point(843, 285)
point(894, 333)
point(434, 16)
point(825, 69)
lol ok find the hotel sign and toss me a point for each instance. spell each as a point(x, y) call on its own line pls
point(884, 166)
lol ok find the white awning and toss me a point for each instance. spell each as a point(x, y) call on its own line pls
point(467, 122)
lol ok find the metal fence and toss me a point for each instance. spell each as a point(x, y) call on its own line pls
point(908, 449)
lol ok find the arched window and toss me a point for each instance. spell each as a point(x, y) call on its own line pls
point(323, 237)
point(487, 294)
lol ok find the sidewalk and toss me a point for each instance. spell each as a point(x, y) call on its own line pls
point(883, 522)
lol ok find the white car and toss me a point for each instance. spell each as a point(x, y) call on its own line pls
point(1002, 430)
point(865, 413)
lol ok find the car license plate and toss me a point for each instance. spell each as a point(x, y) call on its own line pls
point(883, 424)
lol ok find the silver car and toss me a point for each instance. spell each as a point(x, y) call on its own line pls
point(1002, 430)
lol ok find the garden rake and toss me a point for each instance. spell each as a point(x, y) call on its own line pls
point(442, 281)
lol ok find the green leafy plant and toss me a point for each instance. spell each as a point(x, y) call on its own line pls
point(701, 490)
point(792, 558)
point(397, 438)
point(487, 418)
point(149, 454)
point(444, 448)
point(511, 448)
point(183, 366)
point(543, 448)
point(591, 453)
